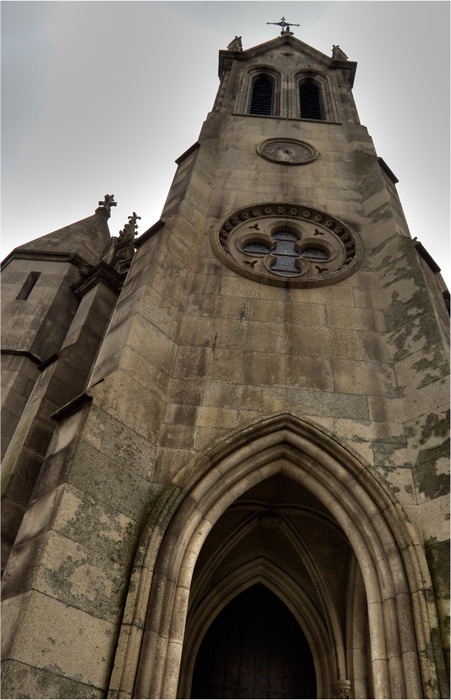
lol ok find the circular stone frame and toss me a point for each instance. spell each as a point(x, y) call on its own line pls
point(304, 153)
point(315, 228)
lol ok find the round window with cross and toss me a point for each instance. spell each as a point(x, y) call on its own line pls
point(287, 244)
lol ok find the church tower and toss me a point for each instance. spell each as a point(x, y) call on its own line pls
point(226, 474)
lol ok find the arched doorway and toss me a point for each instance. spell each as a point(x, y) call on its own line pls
point(254, 649)
point(391, 573)
point(278, 534)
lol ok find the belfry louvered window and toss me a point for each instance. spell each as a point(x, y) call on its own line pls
point(262, 96)
point(310, 100)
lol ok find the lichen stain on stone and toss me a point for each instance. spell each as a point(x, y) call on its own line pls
point(432, 687)
point(438, 362)
point(50, 685)
point(398, 313)
point(394, 490)
point(396, 481)
point(370, 178)
point(385, 452)
point(429, 482)
point(104, 598)
point(437, 555)
point(435, 426)
point(116, 539)
point(422, 328)
point(382, 213)
point(403, 265)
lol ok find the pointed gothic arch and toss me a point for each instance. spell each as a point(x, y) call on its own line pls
point(255, 647)
point(262, 96)
point(321, 83)
point(287, 590)
point(310, 101)
point(246, 91)
point(390, 557)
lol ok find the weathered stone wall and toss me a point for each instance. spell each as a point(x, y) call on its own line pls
point(36, 325)
point(59, 382)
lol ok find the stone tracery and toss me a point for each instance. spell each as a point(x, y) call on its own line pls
point(255, 241)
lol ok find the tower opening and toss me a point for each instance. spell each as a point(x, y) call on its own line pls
point(262, 96)
point(254, 649)
point(310, 101)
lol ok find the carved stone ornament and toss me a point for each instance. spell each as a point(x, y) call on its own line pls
point(287, 151)
point(341, 689)
point(105, 206)
point(235, 44)
point(287, 245)
point(270, 521)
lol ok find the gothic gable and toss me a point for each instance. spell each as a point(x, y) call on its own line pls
point(287, 48)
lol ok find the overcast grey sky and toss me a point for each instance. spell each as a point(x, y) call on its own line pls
point(102, 97)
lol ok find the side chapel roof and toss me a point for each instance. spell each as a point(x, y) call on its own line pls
point(85, 239)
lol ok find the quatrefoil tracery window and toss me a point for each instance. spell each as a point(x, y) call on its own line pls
point(284, 253)
point(287, 245)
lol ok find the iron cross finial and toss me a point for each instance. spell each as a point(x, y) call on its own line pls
point(285, 26)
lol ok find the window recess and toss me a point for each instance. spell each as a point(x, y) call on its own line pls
point(28, 286)
point(262, 96)
point(311, 104)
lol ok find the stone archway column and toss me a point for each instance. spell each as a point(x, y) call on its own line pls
point(357, 633)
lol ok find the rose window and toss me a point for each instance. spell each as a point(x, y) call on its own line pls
point(287, 245)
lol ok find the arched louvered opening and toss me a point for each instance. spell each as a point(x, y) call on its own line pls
point(262, 96)
point(310, 100)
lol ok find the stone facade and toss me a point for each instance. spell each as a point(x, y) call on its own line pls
point(183, 422)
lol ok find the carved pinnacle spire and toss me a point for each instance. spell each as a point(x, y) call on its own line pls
point(338, 54)
point(130, 230)
point(235, 44)
point(285, 26)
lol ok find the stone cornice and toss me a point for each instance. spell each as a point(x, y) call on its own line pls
point(24, 353)
point(427, 257)
point(100, 273)
point(149, 233)
point(387, 170)
point(45, 256)
point(71, 407)
point(187, 153)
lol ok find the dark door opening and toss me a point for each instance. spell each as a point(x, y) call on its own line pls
point(254, 649)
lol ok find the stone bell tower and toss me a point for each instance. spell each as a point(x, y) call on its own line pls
point(248, 495)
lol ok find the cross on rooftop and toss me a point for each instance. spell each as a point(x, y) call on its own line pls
point(283, 23)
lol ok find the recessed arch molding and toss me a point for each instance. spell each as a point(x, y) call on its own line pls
point(405, 659)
